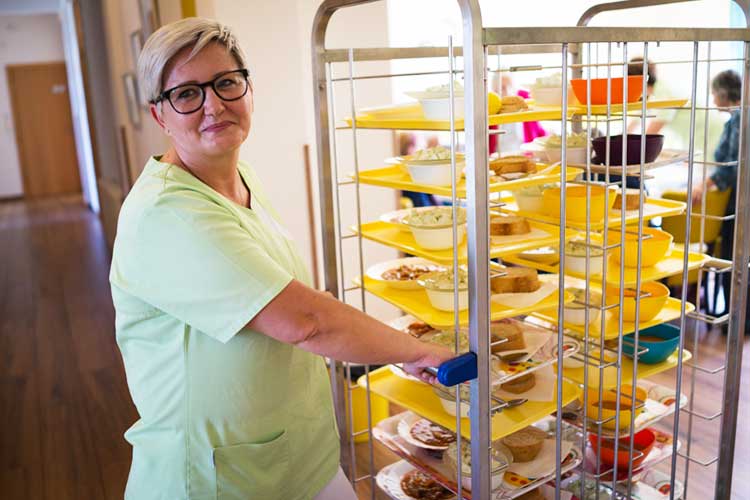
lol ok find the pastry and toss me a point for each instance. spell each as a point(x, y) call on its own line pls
point(419, 485)
point(407, 272)
point(516, 280)
point(525, 444)
point(632, 199)
point(512, 164)
point(535, 494)
point(506, 225)
point(508, 330)
point(512, 104)
point(520, 385)
point(418, 329)
point(431, 434)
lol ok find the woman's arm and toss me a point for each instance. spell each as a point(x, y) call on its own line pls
point(318, 323)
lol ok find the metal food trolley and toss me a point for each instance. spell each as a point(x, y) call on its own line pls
point(586, 53)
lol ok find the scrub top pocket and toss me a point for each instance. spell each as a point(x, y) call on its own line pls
point(252, 471)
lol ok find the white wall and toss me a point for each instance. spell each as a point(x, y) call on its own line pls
point(279, 60)
point(78, 105)
point(23, 39)
point(147, 139)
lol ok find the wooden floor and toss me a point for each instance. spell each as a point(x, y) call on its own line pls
point(64, 404)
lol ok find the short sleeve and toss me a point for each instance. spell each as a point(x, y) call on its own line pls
point(197, 263)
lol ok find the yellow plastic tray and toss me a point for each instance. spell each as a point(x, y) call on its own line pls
point(609, 377)
point(416, 303)
point(411, 117)
point(669, 266)
point(654, 207)
point(601, 109)
point(420, 399)
point(395, 236)
point(669, 312)
point(397, 178)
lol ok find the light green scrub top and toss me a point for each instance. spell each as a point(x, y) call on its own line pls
point(225, 412)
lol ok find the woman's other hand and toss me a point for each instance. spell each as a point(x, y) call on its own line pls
point(435, 356)
point(699, 189)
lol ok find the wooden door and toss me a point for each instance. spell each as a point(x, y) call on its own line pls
point(44, 129)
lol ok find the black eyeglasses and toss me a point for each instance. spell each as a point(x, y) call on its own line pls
point(189, 97)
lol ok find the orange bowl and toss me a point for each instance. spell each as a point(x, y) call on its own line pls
point(654, 247)
point(642, 445)
point(599, 90)
point(650, 307)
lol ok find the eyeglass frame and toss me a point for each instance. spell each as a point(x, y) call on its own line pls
point(164, 96)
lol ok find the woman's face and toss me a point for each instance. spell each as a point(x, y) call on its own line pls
point(720, 101)
point(219, 126)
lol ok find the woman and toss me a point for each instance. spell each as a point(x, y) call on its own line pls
point(220, 333)
point(726, 89)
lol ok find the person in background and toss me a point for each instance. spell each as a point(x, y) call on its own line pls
point(726, 89)
point(654, 90)
point(223, 339)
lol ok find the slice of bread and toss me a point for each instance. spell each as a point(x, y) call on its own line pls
point(506, 225)
point(512, 164)
point(632, 199)
point(520, 385)
point(525, 444)
point(510, 331)
point(516, 280)
point(512, 104)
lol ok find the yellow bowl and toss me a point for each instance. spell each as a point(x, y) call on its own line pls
point(608, 406)
point(650, 306)
point(575, 203)
point(653, 249)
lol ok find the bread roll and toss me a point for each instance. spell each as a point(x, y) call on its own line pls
point(516, 280)
point(506, 225)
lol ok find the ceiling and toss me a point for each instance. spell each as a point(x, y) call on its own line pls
point(28, 6)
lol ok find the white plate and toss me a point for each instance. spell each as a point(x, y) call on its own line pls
point(375, 272)
point(404, 430)
point(389, 479)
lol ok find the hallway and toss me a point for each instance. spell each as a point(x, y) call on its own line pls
point(64, 403)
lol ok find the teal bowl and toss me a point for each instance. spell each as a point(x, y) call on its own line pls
point(658, 350)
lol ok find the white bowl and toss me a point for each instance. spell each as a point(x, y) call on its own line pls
point(439, 109)
point(449, 406)
point(577, 315)
point(443, 299)
point(434, 173)
point(529, 203)
point(438, 238)
point(576, 156)
point(551, 96)
point(577, 264)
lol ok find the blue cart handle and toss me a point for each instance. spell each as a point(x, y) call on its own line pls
point(456, 370)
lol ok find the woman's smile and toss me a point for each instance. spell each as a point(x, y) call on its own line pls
point(217, 127)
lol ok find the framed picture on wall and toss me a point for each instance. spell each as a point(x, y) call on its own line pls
point(136, 45)
point(150, 22)
point(131, 99)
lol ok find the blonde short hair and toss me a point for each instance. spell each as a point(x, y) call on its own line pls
point(171, 38)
